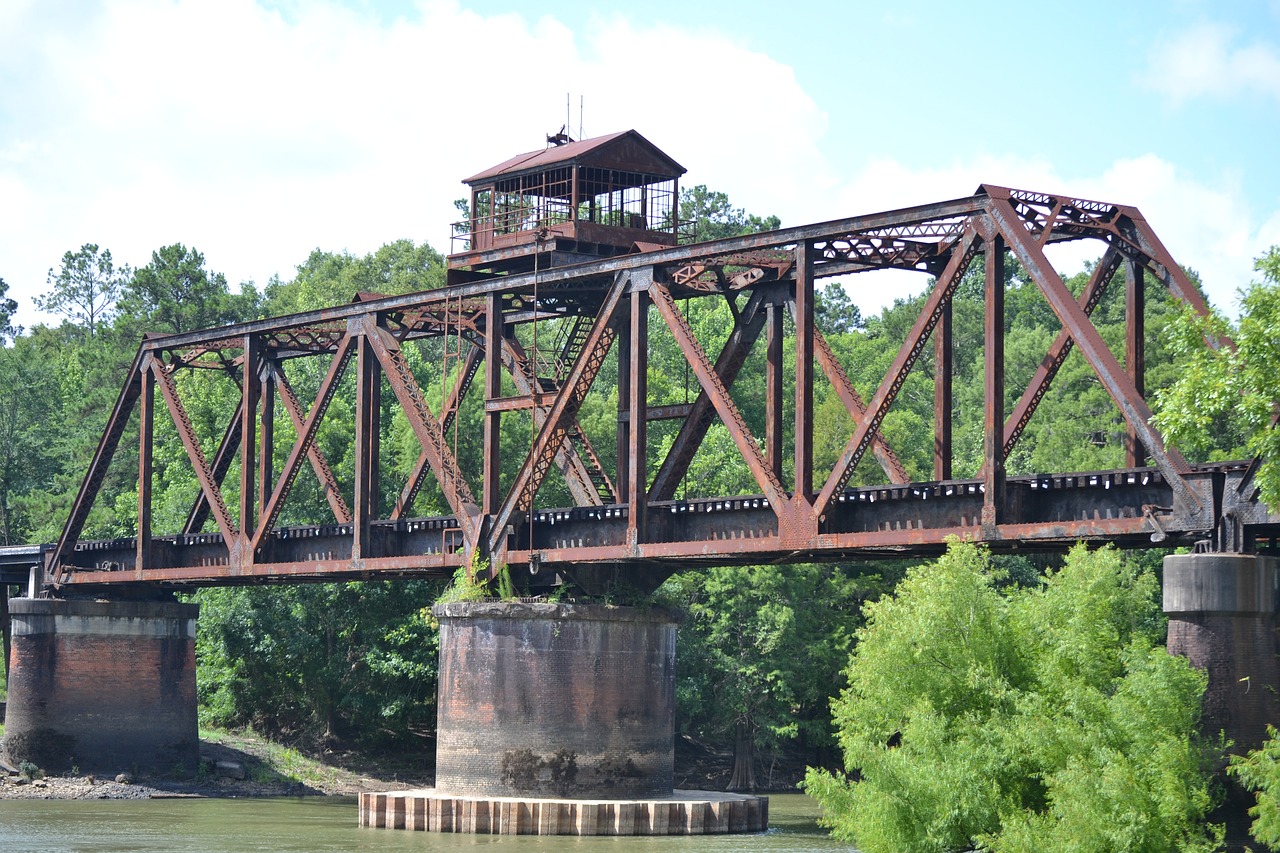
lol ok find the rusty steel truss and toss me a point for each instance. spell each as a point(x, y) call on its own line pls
point(627, 522)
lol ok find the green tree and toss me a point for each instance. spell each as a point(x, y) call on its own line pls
point(1260, 771)
point(1019, 719)
point(329, 662)
point(81, 376)
point(714, 217)
point(1226, 397)
point(85, 287)
point(28, 401)
point(320, 663)
point(329, 278)
point(175, 293)
point(760, 655)
point(7, 309)
point(835, 312)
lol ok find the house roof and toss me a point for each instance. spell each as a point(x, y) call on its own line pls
point(626, 150)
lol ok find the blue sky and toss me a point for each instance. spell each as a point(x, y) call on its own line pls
point(257, 131)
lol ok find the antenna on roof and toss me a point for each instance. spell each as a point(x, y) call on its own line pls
point(581, 100)
point(562, 137)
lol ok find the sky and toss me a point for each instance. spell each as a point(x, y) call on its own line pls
point(258, 130)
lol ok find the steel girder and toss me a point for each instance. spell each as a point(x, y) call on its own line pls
point(430, 346)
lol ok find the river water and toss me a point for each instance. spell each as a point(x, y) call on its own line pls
point(323, 824)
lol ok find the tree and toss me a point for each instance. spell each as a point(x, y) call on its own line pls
point(7, 309)
point(759, 656)
point(1019, 719)
point(1260, 771)
point(835, 312)
point(328, 278)
point(85, 288)
point(28, 399)
point(174, 293)
point(714, 218)
point(1225, 397)
point(320, 662)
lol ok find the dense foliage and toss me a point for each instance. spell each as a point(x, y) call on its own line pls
point(1226, 400)
point(1260, 771)
point(328, 662)
point(1018, 718)
point(757, 655)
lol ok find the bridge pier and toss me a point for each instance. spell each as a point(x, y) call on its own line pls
point(555, 700)
point(558, 719)
point(1222, 618)
point(106, 686)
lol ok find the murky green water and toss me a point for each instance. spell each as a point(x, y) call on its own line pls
point(316, 825)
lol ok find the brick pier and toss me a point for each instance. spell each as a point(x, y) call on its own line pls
point(102, 685)
point(1222, 618)
point(555, 700)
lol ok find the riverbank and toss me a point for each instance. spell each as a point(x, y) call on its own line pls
point(244, 764)
point(232, 765)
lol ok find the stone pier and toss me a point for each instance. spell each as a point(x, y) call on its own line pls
point(558, 719)
point(105, 686)
point(1222, 618)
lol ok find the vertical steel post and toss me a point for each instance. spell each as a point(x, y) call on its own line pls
point(249, 389)
point(575, 193)
point(374, 414)
point(266, 434)
point(773, 403)
point(675, 209)
point(368, 429)
point(943, 373)
point(491, 488)
point(637, 414)
point(993, 361)
point(621, 474)
point(146, 436)
point(804, 372)
point(1135, 454)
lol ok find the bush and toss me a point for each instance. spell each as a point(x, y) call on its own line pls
point(1260, 771)
point(353, 661)
point(1019, 719)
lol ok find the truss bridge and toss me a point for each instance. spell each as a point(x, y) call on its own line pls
point(539, 442)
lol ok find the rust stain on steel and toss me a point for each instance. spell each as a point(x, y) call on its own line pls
point(458, 329)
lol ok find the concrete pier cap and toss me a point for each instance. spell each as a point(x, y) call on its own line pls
point(102, 686)
point(1220, 583)
point(555, 700)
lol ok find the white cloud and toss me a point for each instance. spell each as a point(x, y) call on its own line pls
point(257, 136)
point(1207, 61)
point(1206, 227)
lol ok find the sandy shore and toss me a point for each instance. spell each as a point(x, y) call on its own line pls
point(231, 766)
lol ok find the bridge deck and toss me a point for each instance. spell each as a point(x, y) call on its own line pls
point(1044, 514)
